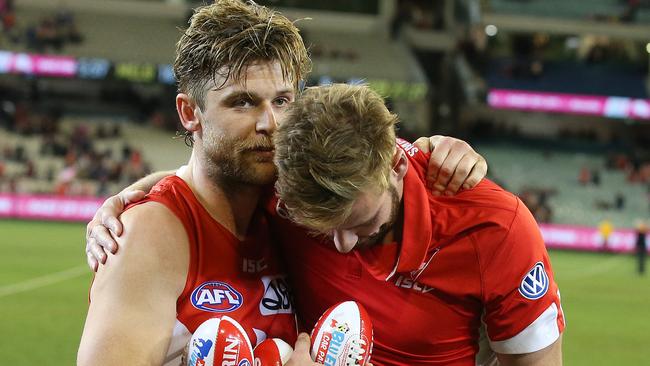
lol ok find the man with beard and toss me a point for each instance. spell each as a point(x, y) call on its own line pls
point(428, 269)
point(238, 67)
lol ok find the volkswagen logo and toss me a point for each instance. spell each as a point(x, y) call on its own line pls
point(535, 283)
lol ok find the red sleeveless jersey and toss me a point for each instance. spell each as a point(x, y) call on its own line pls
point(241, 279)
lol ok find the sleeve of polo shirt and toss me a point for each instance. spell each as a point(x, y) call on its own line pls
point(522, 310)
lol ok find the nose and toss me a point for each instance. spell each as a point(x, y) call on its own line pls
point(267, 122)
point(345, 240)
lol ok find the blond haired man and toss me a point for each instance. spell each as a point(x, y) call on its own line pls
point(428, 269)
point(238, 67)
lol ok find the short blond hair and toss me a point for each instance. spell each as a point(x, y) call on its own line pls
point(226, 37)
point(336, 142)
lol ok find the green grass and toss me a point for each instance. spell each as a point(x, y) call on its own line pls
point(41, 326)
point(607, 304)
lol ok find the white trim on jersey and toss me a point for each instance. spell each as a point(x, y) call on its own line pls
point(180, 337)
point(538, 335)
point(392, 273)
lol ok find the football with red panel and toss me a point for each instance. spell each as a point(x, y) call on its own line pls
point(272, 352)
point(342, 336)
point(219, 341)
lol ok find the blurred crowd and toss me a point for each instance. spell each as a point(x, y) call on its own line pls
point(66, 159)
point(49, 33)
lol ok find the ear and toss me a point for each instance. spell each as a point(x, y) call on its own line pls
point(400, 163)
point(188, 112)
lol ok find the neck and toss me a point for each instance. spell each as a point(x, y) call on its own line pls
point(232, 204)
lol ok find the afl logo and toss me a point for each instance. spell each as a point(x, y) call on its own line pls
point(244, 362)
point(216, 297)
point(535, 283)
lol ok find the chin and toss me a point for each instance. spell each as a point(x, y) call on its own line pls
point(263, 175)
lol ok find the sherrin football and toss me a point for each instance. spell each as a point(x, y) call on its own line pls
point(342, 336)
point(272, 352)
point(219, 341)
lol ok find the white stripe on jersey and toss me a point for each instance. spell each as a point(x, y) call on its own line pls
point(538, 335)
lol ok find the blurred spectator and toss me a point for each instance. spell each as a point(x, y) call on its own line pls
point(584, 177)
point(619, 201)
point(7, 16)
point(66, 177)
point(30, 169)
point(642, 231)
point(595, 177)
point(53, 32)
point(605, 228)
point(630, 12)
point(421, 14)
point(537, 202)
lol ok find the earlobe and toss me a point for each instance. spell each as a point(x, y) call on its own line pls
point(400, 163)
point(188, 112)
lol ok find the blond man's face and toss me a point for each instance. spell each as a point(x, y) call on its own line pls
point(373, 216)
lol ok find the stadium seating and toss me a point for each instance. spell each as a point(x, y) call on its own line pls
point(519, 168)
point(157, 147)
point(566, 9)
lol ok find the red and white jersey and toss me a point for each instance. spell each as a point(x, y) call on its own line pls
point(241, 279)
point(463, 261)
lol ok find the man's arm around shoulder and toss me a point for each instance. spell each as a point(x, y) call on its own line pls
point(133, 298)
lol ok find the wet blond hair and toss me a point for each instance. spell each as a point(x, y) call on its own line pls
point(226, 37)
point(336, 142)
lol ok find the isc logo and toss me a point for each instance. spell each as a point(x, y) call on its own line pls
point(216, 297)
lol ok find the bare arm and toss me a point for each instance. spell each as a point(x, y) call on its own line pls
point(133, 300)
point(549, 356)
point(453, 164)
point(98, 236)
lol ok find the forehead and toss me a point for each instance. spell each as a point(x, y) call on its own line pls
point(259, 78)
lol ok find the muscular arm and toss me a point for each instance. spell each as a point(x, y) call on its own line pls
point(133, 299)
point(549, 356)
point(105, 219)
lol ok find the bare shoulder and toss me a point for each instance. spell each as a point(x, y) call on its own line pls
point(153, 246)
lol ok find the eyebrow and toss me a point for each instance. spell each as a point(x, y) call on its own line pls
point(243, 94)
point(237, 95)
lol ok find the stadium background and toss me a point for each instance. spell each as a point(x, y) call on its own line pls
point(555, 94)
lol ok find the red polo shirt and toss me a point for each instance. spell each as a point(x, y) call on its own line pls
point(473, 259)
